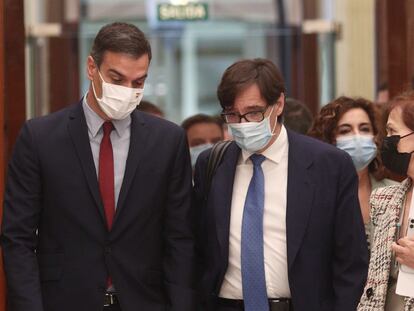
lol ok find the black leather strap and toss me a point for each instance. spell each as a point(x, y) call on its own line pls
point(216, 154)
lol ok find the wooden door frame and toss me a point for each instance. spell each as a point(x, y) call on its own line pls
point(12, 92)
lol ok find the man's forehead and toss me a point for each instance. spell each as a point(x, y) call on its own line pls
point(112, 58)
point(126, 65)
point(248, 105)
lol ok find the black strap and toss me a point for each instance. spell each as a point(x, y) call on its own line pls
point(216, 154)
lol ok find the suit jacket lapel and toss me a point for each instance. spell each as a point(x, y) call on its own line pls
point(78, 131)
point(300, 191)
point(137, 145)
point(222, 188)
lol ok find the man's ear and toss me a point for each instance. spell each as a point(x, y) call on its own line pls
point(90, 67)
point(280, 104)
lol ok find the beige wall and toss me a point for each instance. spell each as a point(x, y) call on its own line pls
point(355, 49)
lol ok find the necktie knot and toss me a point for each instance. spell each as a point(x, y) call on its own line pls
point(107, 128)
point(257, 159)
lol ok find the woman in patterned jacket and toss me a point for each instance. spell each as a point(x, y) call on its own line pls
point(389, 213)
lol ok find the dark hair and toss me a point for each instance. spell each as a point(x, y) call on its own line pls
point(297, 116)
point(406, 102)
point(245, 73)
point(383, 87)
point(326, 123)
point(149, 107)
point(200, 118)
point(120, 38)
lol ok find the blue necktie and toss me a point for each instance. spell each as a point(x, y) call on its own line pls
point(252, 258)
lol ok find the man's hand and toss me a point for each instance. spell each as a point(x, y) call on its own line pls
point(404, 251)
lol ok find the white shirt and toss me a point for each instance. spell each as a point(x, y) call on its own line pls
point(120, 139)
point(275, 169)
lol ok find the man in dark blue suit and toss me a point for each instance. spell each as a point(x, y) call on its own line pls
point(281, 227)
point(97, 205)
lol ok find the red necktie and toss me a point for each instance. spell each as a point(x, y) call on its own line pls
point(106, 174)
point(106, 178)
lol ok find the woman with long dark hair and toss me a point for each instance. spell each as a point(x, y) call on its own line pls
point(351, 125)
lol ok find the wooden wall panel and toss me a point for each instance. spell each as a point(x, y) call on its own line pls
point(64, 68)
point(398, 75)
point(381, 26)
point(309, 60)
point(395, 44)
point(12, 92)
point(15, 88)
point(410, 41)
point(310, 72)
point(2, 149)
point(63, 59)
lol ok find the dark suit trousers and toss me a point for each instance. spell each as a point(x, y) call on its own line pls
point(112, 308)
point(227, 308)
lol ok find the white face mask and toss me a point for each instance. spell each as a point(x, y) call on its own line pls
point(252, 136)
point(361, 148)
point(117, 101)
point(196, 151)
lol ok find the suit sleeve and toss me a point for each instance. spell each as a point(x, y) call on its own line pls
point(198, 202)
point(19, 227)
point(350, 262)
point(179, 254)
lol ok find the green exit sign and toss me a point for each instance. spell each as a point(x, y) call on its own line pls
point(189, 12)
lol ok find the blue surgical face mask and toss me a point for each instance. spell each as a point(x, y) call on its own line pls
point(361, 148)
point(196, 151)
point(252, 136)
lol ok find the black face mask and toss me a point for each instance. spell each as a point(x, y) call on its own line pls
point(395, 161)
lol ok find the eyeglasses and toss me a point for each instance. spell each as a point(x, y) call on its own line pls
point(251, 116)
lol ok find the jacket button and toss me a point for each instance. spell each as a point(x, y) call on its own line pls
point(369, 292)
